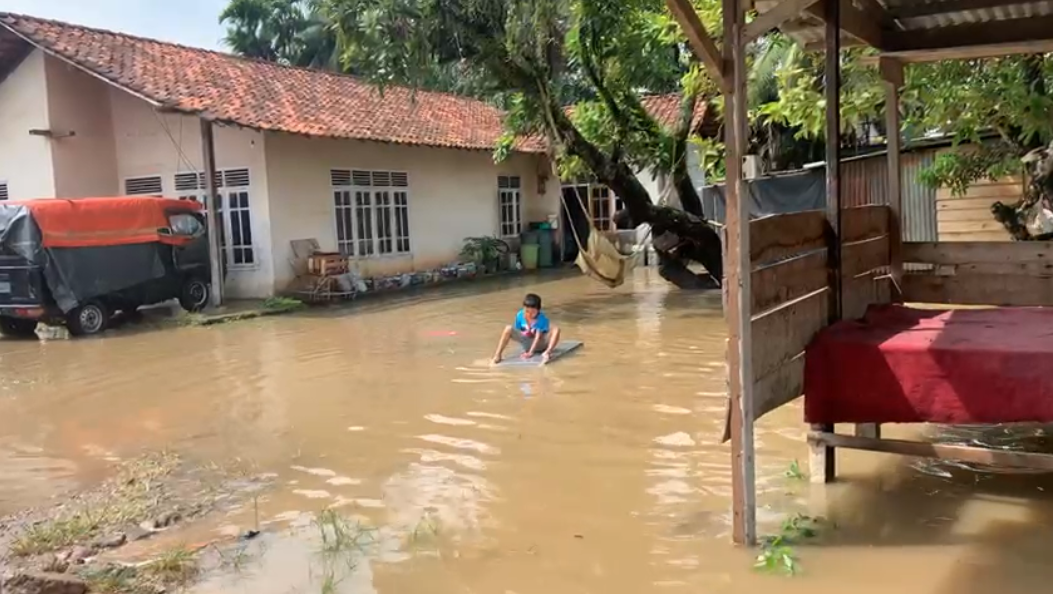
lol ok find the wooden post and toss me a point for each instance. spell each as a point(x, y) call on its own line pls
point(823, 461)
point(737, 282)
point(892, 74)
point(215, 255)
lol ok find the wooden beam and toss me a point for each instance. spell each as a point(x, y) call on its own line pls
point(919, 449)
point(892, 75)
point(1023, 31)
point(215, 223)
point(967, 53)
point(913, 10)
point(738, 287)
point(861, 24)
point(778, 15)
point(701, 43)
point(822, 459)
point(979, 252)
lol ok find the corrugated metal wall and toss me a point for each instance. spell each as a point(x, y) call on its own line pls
point(918, 200)
point(865, 181)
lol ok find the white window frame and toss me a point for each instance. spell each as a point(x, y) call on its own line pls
point(5, 191)
point(224, 191)
point(611, 200)
point(160, 178)
point(371, 212)
point(509, 205)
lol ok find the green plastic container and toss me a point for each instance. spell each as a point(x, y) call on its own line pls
point(530, 237)
point(529, 253)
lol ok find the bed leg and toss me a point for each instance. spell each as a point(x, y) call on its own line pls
point(871, 430)
point(822, 463)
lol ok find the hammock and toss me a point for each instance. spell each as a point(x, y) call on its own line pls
point(600, 259)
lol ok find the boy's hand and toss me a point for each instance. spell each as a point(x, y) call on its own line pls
point(545, 357)
point(526, 354)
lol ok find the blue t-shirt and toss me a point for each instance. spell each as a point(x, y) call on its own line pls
point(540, 323)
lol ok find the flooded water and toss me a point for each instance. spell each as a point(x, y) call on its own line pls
point(600, 473)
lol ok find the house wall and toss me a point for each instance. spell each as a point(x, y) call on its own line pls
point(85, 164)
point(149, 143)
point(452, 195)
point(25, 160)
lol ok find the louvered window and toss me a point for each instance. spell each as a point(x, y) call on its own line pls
point(3, 192)
point(372, 211)
point(233, 186)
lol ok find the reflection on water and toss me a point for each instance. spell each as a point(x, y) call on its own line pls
point(601, 473)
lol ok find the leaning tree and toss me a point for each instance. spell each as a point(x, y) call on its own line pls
point(572, 71)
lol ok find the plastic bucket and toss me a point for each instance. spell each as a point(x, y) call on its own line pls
point(529, 253)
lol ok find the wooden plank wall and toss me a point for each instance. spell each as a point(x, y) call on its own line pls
point(1007, 273)
point(789, 280)
point(790, 290)
point(864, 259)
point(968, 217)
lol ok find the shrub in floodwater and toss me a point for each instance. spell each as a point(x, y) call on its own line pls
point(795, 472)
point(276, 304)
point(777, 552)
point(341, 535)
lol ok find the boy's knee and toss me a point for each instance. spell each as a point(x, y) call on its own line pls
point(508, 329)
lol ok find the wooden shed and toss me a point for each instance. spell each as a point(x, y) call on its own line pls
point(826, 290)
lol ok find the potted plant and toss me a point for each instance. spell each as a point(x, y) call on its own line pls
point(485, 252)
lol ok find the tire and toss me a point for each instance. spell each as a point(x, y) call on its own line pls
point(18, 327)
point(91, 318)
point(194, 295)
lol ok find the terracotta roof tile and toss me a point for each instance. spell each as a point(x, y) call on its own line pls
point(268, 96)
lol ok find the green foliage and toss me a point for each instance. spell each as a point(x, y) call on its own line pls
point(533, 58)
point(777, 552)
point(483, 250)
point(289, 32)
point(963, 99)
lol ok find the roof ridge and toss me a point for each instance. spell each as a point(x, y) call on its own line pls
point(232, 56)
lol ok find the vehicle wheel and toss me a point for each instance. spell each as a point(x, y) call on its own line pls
point(90, 318)
point(18, 327)
point(195, 295)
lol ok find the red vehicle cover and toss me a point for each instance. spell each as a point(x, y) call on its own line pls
point(97, 222)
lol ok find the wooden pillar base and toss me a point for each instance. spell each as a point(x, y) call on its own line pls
point(871, 430)
point(822, 464)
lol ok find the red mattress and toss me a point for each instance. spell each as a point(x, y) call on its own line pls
point(902, 365)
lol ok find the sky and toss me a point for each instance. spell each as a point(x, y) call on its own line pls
point(190, 22)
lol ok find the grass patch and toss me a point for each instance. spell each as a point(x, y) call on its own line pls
point(777, 552)
point(282, 304)
point(176, 566)
point(342, 535)
point(124, 499)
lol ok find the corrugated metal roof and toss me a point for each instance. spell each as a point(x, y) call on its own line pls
point(905, 16)
point(948, 13)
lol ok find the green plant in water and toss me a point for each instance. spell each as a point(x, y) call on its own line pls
point(483, 250)
point(777, 552)
point(341, 535)
point(795, 472)
point(275, 304)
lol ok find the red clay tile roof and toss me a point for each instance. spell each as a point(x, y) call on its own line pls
point(666, 110)
point(267, 96)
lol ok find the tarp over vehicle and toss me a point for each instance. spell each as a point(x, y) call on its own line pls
point(89, 247)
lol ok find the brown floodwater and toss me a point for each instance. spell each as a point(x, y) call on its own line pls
point(600, 473)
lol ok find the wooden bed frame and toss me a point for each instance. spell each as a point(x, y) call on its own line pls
point(789, 276)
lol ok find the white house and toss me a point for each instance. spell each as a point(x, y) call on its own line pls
point(395, 180)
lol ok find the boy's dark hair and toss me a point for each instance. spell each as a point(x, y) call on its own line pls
point(532, 300)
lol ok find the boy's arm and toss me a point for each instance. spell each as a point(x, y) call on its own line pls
point(533, 345)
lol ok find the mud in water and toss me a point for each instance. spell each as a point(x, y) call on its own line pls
point(601, 473)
